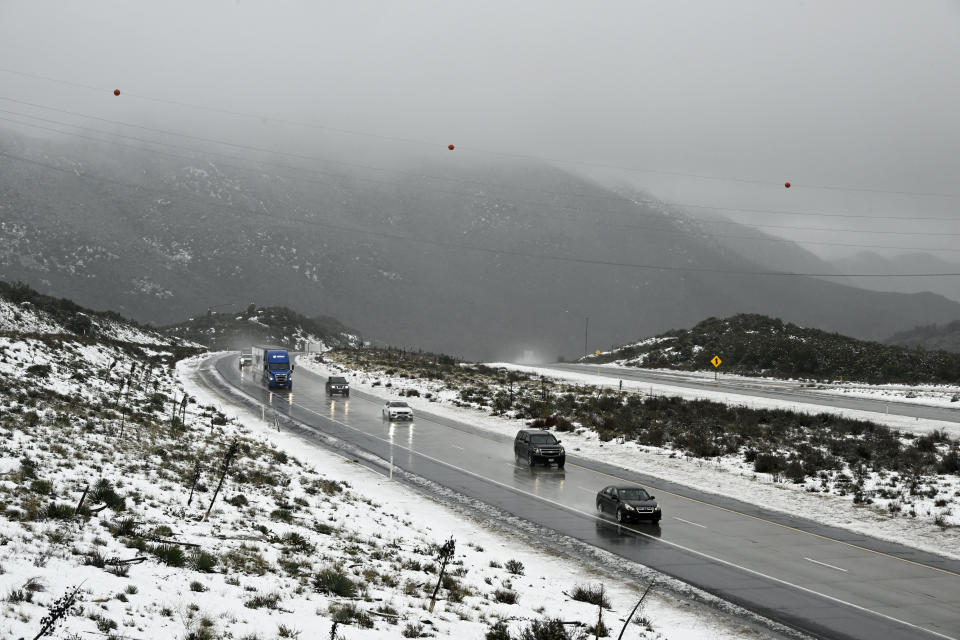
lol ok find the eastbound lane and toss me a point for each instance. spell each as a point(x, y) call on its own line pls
point(778, 390)
point(791, 571)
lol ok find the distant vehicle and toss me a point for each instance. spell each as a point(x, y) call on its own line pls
point(338, 384)
point(397, 410)
point(246, 359)
point(628, 504)
point(273, 366)
point(537, 446)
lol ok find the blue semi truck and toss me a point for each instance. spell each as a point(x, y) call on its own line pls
point(273, 365)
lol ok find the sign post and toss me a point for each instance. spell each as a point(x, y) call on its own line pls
point(716, 362)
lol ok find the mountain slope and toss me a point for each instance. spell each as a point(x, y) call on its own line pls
point(755, 345)
point(945, 337)
point(432, 253)
point(24, 310)
point(867, 262)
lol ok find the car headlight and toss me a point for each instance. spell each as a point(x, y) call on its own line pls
point(629, 507)
point(537, 450)
point(656, 507)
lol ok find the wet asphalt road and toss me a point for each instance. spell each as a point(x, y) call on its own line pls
point(779, 390)
point(823, 581)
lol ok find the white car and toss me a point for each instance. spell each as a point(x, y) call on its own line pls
point(397, 410)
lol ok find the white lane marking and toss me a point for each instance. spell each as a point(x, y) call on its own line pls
point(593, 516)
point(688, 522)
point(826, 565)
point(456, 447)
point(585, 489)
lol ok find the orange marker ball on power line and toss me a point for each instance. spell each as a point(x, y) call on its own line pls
point(116, 92)
point(450, 146)
point(786, 184)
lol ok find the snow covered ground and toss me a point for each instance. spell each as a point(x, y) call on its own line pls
point(930, 395)
point(935, 395)
point(910, 521)
point(903, 423)
point(297, 539)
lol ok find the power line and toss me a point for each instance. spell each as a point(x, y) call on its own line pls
point(431, 144)
point(433, 189)
point(463, 246)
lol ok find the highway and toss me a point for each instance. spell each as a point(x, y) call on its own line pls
point(823, 581)
point(776, 389)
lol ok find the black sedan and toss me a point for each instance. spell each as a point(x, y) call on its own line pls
point(628, 504)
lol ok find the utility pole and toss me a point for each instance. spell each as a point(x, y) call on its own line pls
point(586, 333)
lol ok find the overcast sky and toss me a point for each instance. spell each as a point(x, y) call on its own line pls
point(859, 96)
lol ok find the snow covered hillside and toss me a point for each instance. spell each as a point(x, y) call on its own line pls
point(756, 345)
point(132, 509)
point(23, 310)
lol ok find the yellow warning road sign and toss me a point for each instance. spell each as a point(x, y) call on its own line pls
point(716, 361)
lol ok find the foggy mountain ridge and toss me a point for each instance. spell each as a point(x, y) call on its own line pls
point(171, 247)
point(944, 337)
point(871, 262)
point(238, 330)
point(715, 229)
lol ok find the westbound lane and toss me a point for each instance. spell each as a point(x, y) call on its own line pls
point(778, 390)
point(812, 582)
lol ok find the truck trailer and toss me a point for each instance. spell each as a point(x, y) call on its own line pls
point(273, 365)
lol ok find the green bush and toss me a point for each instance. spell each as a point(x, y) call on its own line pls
point(514, 566)
point(125, 527)
point(769, 463)
point(170, 555)
point(263, 601)
point(333, 581)
point(551, 629)
point(103, 492)
point(38, 370)
point(294, 541)
point(505, 596)
point(595, 595)
point(238, 500)
point(95, 559)
point(283, 515)
point(498, 631)
point(348, 613)
point(105, 625)
point(41, 487)
point(59, 511)
point(202, 561)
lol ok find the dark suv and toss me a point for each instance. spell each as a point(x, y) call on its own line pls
point(537, 446)
point(338, 384)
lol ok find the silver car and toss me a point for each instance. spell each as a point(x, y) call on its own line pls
point(397, 410)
